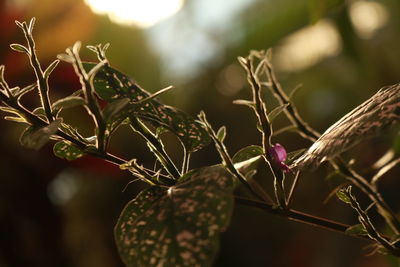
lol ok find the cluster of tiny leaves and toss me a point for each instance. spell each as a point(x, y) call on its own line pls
point(112, 85)
point(178, 226)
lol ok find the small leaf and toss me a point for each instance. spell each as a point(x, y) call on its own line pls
point(66, 58)
point(15, 119)
point(112, 85)
point(246, 160)
point(179, 226)
point(343, 196)
point(19, 48)
point(66, 150)
point(36, 138)
point(21, 92)
point(294, 91)
point(19, 116)
point(114, 108)
point(50, 68)
point(68, 102)
point(221, 134)
point(357, 230)
point(382, 171)
point(2, 72)
point(291, 156)
point(276, 111)
point(39, 112)
point(19, 24)
point(244, 102)
point(243, 61)
point(92, 48)
point(247, 153)
point(31, 25)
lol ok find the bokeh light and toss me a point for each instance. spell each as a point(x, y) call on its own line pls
point(138, 12)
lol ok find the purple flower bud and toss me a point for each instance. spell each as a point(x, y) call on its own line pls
point(279, 155)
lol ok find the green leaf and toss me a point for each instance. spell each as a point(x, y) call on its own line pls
point(291, 156)
point(293, 92)
point(31, 24)
point(115, 108)
point(15, 119)
point(343, 196)
point(19, 48)
point(356, 230)
point(247, 153)
point(221, 134)
point(66, 150)
point(50, 68)
point(244, 102)
point(36, 138)
point(276, 111)
point(66, 58)
point(111, 85)
point(21, 92)
point(39, 112)
point(68, 102)
point(178, 226)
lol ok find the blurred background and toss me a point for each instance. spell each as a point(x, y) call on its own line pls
point(59, 213)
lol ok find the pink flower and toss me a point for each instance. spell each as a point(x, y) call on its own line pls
point(278, 154)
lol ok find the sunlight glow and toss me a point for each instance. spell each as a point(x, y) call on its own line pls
point(308, 46)
point(368, 17)
point(143, 13)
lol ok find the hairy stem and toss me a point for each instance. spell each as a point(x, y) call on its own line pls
point(156, 146)
point(91, 102)
point(42, 81)
point(309, 133)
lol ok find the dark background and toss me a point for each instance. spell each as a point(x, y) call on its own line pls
point(59, 213)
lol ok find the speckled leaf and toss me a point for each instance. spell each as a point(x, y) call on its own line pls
point(342, 195)
point(370, 118)
point(67, 151)
point(112, 85)
point(178, 226)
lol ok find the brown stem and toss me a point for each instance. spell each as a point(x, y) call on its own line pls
point(297, 216)
point(309, 133)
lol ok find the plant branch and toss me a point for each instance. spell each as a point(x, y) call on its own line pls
point(309, 133)
point(38, 122)
point(228, 163)
point(156, 147)
point(290, 110)
point(42, 81)
point(265, 128)
point(88, 90)
point(297, 216)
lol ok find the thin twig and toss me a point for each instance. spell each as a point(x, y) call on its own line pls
point(297, 216)
point(309, 133)
point(157, 147)
point(293, 189)
point(88, 90)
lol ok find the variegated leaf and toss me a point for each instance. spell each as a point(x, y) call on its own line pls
point(374, 115)
point(178, 226)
